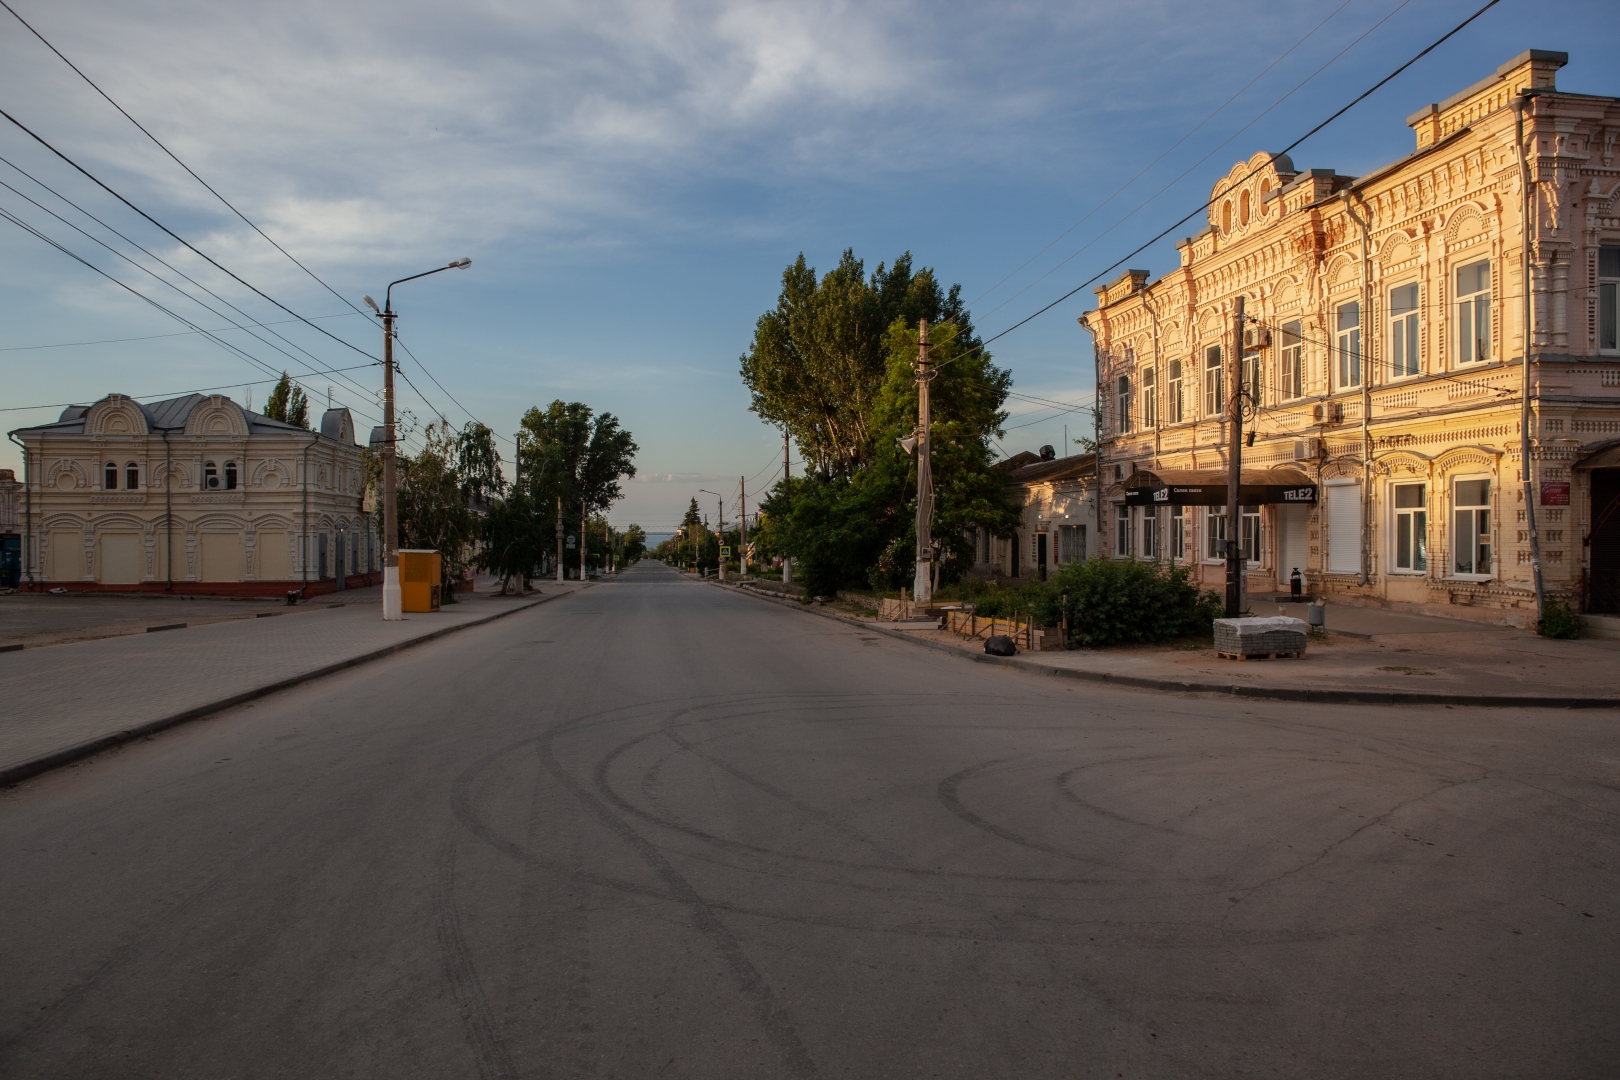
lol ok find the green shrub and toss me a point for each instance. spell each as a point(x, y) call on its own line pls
point(1112, 602)
point(1558, 620)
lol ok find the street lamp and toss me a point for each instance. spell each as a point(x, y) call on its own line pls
point(392, 608)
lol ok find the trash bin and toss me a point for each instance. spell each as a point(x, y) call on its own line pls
point(420, 573)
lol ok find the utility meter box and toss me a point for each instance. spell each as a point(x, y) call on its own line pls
point(420, 573)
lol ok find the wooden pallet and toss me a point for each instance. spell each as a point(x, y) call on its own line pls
point(1261, 656)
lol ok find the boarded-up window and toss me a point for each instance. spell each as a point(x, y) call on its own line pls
point(120, 558)
point(1344, 528)
point(66, 555)
point(221, 556)
point(273, 562)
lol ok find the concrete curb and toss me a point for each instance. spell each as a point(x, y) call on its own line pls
point(1269, 693)
point(25, 770)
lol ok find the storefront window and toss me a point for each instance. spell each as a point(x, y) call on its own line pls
point(1215, 533)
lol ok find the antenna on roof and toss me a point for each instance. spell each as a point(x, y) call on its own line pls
point(248, 390)
point(329, 398)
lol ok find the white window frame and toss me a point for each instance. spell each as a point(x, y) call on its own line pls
point(1405, 332)
point(1149, 541)
point(1178, 533)
point(1122, 531)
point(1147, 392)
point(1251, 516)
point(1419, 529)
point(1291, 377)
point(1214, 380)
point(1609, 299)
point(1348, 347)
point(1213, 535)
point(110, 469)
point(1122, 400)
point(1249, 372)
point(1467, 306)
point(1175, 401)
point(1489, 531)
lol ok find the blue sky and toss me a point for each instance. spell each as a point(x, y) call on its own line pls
point(631, 178)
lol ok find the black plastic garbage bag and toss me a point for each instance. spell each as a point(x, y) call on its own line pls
point(1001, 645)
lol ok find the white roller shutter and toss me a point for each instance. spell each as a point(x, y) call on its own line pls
point(1344, 528)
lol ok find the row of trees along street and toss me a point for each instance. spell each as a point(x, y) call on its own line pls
point(834, 365)
point(453, 496)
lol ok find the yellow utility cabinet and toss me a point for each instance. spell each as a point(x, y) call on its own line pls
point(420, 572)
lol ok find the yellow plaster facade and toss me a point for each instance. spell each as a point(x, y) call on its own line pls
point(1384, 357)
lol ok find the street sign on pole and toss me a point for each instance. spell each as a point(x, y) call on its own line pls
point(725, 551)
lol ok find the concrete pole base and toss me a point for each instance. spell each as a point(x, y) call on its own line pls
point(922, 588)
point(393, 604)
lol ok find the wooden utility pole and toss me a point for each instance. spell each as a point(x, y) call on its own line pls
point(393, 608)
point(921, 589)
point(787, 560)
point(742, 523)
point(1234, 475)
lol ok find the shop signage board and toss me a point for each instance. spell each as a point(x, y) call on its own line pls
point(1555, 493)
point(1215, 495)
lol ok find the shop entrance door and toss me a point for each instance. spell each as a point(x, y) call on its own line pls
point(1603, 580)
point(1293, 523)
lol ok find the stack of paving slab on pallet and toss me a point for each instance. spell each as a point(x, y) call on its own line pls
point(1274, 636)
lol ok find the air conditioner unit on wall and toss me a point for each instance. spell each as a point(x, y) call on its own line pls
point(1307, 449)
point(1256, 337)
point(1328, 413)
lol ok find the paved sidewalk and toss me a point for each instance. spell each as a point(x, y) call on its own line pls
point(1406, 658)
point(60, 703)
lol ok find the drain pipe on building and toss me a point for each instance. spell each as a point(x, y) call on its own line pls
point(28, 511)
point(1365, 360)
point(303, 541)
point(168, 513)
point(1527, 223)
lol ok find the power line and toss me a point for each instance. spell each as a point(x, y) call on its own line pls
point(155, 337)
point(161, 261)
point(237, 350)
point(1183, 175)
point(175, 159)
point(440, 385)
point(1210, 201)
point(1193, 131)
point(177, 237)
point(165, 395)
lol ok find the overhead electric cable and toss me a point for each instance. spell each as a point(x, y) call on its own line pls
point(173, 157)
point(1190, 133)
point(159, 259)
point(26, 130)
point(155, 337)
point(440, 385)
point(1217, 149)
point(1448, 35)
point(166, 394)
point(229, 346)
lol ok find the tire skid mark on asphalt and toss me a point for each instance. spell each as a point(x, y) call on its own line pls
point(478, 1019)
point(772, 1018)
point(1063, 784)
point(241, 847)
point(949, 795)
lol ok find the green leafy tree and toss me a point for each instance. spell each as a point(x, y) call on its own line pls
point(818, 360)
point(858, 526)
point(634, 545)
point(574, 459)
point(288, 404)
point(432, 504)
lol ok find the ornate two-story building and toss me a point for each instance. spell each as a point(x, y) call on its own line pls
point(1383, 362)
point(193, 495)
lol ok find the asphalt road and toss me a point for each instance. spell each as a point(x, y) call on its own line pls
point(657, 829)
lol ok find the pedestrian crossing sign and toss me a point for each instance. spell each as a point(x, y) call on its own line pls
point(725, 551)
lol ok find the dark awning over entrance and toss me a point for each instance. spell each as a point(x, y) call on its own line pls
point(1187, 487)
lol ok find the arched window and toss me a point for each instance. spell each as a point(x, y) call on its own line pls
point(111, 481)
point(1265, 190)
point(132, 476)
point(1243, 208)
point(230, 476)
point(210, 476)
point(1226, 217)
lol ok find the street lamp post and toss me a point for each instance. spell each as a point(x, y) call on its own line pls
point(392, 607)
